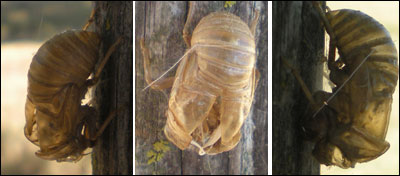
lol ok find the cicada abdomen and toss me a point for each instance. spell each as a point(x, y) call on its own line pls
point(67, 58)
point(358, 35)
point(357, 113)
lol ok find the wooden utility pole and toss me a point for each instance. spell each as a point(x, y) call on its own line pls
point(298, 37)
point(113, 152)
point(161, 24)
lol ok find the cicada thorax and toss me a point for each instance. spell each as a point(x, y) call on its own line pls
point(225, 48)
point(56, 86)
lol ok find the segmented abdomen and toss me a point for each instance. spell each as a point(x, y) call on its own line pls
point(226, 48)
point(54, 67)
point(357, 32)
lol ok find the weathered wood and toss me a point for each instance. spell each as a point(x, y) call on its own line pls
point(161, 24)
point(113, 153)
point(299, 38)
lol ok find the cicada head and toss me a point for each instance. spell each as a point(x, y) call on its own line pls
point(71, 149)
point(314, 128)
point(329, 154)
point(63, 140)
point(317, 120)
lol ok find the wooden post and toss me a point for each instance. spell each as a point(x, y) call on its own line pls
point(161, 24)
point(299, 38)
point(113, 152)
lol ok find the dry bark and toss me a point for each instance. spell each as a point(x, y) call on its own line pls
point(299, 38)
point(113, 152)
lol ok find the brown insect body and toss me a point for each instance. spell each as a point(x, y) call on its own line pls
point(57, 82)
point(214, 86)
point(353, 126)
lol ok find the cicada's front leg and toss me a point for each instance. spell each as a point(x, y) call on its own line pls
point(159, 84)
point(186, 36)
point(91, 132)
point(91, 19)
point(103, 62)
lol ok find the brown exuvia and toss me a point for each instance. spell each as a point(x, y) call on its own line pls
point(351, 127)
point(214, 85)
point(57, 82)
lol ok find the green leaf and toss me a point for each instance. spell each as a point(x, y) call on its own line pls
point(229, 4)
point(150, 153)
point(151, 160)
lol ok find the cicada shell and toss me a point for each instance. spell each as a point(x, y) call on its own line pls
point(352, 127)
point(214, 85)
point(57, 82)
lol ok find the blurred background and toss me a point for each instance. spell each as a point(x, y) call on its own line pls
point(25, 26)
point(387, 13)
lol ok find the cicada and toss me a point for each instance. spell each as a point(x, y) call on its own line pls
point(350, 124)
point(57, 82)
point(213, 89)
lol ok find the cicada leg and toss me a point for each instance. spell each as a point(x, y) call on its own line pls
point(90, 82)
point(332, 37)
point(94, 80)
point(186, 36)
point(167, 82)
point(106, 122)
point(253, 24)
point(103, 62)
point(89, 130)
point(306, 91)
point(159, 84)
point(90, 21)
